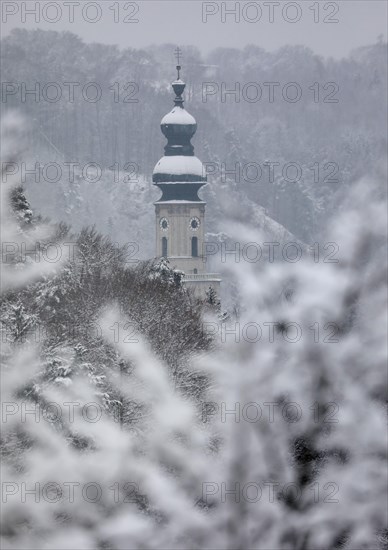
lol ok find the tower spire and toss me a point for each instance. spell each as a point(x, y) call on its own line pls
point(178, 85)
point(179, 166)
point(178, 53)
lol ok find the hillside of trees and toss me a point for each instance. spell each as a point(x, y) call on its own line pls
point(335, 133)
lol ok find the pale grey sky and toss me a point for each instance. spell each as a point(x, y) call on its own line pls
point(181, 22)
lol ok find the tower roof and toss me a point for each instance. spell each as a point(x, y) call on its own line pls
point(180, 168)
point(179, 165)
point(178, 115)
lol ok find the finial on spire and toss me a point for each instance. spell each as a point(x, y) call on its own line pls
point(178, 86)
point(178, 53)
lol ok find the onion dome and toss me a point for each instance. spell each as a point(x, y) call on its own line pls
point(179, 166)
point(175, 167)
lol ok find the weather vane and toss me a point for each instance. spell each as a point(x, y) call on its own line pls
point(178, 53)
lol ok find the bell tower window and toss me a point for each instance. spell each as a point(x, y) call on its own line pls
point(194, 247)
point(164, 247)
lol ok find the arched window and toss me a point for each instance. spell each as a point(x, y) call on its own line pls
point(195, 271)
point(164, 247)
point(194, 247)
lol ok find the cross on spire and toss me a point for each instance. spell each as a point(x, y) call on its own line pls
point(178, 53)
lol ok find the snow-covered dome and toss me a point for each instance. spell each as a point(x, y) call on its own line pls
point(179, 127)
point(178, 115)
point(180, 165)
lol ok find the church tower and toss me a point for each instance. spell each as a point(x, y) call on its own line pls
point(180, 213)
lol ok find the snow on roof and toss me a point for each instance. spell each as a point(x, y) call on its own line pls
point(178, 201)
point(178, 115)
point(180, 165)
